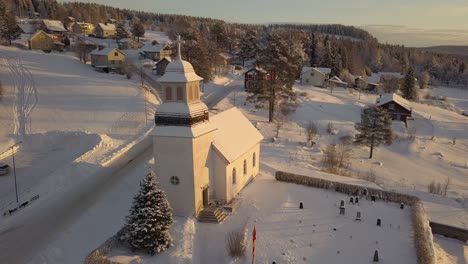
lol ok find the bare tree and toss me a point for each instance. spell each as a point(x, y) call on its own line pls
point(311, 131)
point(331, 86)
point(282, 115)
point(446, 185)
point(26, 93)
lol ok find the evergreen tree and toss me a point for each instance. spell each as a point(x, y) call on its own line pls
point(248, 46)
point(336, 66)
point(9, 29)
point(328, 56)
point(196, 50)
point(408, 88)
point(147, 226)
point(121, 32)
point(138, 30)
point(375, 128)
point(314, 52)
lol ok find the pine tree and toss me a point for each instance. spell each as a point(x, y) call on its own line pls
point(375, 128)
point(9, 29)
point(138, 30)
point(328, 56)
point(248, 46)
point(147, 226)
point(314, 55)
point(408, 88)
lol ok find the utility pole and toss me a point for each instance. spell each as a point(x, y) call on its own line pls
point(14, 168)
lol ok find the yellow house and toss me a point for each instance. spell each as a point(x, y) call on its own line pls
point(41, 41)
point(105, 30)
point(82, 28)
point(107, 58)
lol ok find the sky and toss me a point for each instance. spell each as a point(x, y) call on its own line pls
point(413, 23)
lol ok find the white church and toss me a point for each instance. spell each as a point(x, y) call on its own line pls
point(200, 159)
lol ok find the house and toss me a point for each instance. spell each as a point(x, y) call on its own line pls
point(128, 43)
point(82, 28)
point(203, 160)
point(160, 67)
point(314, 76)
point(156, 52)
point(398, 107)
point(53, 27)
point(366, 85)
point(107, 59)
point(105, 30)
point(255, 79)
point(337, 82)
point(41, 41)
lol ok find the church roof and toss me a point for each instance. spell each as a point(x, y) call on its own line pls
point(235, 135)
point(179, 71)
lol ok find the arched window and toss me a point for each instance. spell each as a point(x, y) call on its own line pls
point(234, 176)
point(168, 93)
point(253, 160)
point(245, 167)
point(180, 94)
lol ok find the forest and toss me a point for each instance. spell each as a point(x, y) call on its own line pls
point(345, 49)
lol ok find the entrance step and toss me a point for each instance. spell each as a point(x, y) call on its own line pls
point(211, 215)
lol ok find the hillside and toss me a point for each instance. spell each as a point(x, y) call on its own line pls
point(451, 50)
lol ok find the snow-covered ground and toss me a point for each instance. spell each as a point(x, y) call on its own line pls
point(449, 251)
point(82, 116)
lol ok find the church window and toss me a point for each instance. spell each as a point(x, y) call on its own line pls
point(253, 160)
point(245, 167)
point(180, 94)
point(168, 93)
point(234, 176)
point(175, 180)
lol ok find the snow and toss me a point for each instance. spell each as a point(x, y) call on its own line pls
point(179, 71)
point(393, 97)
point(321, 70)
point(149, 47)
point(81, 119)
point(103, 52)
point(107, 26)
point(236, 135)
point(449, 251)
point(54, 25)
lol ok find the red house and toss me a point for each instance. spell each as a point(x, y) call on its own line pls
point(255, 78)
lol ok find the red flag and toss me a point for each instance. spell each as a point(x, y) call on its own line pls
point(254, 239)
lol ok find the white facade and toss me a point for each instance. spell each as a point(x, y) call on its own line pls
point(194, 156)
point(314, 76)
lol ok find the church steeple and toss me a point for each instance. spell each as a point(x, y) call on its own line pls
point(181, 88)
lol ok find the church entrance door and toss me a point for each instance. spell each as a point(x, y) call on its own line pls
point(205, 197)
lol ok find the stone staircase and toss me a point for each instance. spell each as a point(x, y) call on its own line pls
point(211, 215)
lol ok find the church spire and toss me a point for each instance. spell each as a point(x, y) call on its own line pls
point(179, 50)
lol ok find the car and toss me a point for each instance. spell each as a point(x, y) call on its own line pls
point(4, 169)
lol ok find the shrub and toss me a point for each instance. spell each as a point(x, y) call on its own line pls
point(336, 158)
point(347, 140)
point(435, 188)
point(330, 128)
point(235, 242)
point(311, 131)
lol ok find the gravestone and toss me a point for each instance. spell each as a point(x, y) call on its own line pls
point(301, 205)
point(358, 216)
point(376, 256)
point(379, 222)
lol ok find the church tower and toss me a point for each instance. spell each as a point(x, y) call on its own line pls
point(182, 139)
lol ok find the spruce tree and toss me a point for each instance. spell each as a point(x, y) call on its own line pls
point(147, 226)
point(375, 128)
point(314, 55)
point(409, 86)
point(9, 29)
point(248, 46)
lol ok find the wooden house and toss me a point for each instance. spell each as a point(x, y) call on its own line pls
point(155, 51)
point(53, 27)
point(41, 41)
point(82, 28)
point(398, 107)
point(160, 67)
point(255, 79)
point(129, 44)
point(107, 59)
point(315, 76)
point(366, 85)
point(337, 82)
point(105, 30)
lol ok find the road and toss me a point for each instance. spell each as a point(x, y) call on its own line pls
point(32, 229)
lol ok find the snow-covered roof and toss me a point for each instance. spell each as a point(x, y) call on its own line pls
point(54, 25)
point(165, 58)
point(27, 28)
point(235, 135)
point(318, 69)
point(104, 51)
point(179, 71)
point(335, 79)
point(108, 26)
point(391, 75)
point(41, 32)
point(386, 98)
point(148, 47)
point(255, 69)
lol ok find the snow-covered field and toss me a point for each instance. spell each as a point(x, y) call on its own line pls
point(82, 115)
